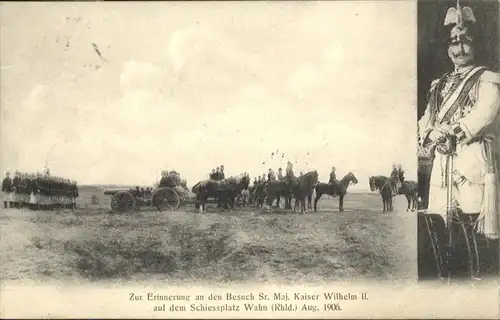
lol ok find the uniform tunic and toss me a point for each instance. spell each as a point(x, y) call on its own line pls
point(333, 177)
point(476, 124)
point(7, 189)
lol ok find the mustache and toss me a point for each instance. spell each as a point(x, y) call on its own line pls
point(461, 55)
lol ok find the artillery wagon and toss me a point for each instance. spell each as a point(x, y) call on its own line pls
point(161, 199)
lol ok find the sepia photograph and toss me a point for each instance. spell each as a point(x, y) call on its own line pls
point(458, 109)
point(239, 159)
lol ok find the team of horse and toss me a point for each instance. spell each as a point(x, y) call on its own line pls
point(407, 188)
point(300, 188)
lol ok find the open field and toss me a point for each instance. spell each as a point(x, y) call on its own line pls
point(240, 246)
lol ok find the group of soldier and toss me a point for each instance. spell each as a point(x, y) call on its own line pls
point(217, 174)
point(38, 191)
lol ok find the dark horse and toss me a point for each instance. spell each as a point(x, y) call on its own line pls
point(275, 190)
point(225, 190)
point(410, 190)
point(383, 184)
point(339, 188)
point(304, 187)
point(297, 187)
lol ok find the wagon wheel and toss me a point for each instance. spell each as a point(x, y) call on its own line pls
point(122, 201)
point(165, 198)
point(462, 248)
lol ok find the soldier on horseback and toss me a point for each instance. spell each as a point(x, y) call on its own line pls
point(222, 176)
point(333, 177)
point(271, 176)
point(401, 173)
point(280, 174)
point(394, 179)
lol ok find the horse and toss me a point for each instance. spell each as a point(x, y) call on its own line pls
point(275, 190)
point(257, 194)
point(339, 188)
point(243, 197)
point(383, 184)
point(303, 187)
point(410, 190)
point(225, 190)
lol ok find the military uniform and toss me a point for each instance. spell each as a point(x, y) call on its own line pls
point(465, 104)
point(271, 176)
point(280, 175)
point(7, 188)
point(333, 177)
point(394, 178)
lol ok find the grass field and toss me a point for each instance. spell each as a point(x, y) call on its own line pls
point(240, 246)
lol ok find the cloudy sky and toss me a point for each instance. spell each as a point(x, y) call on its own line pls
point(190, 86)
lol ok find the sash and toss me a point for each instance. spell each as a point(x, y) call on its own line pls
point(453, 101)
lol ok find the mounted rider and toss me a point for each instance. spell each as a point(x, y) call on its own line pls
point(333, 177)
point(280, 174)
point(401, 173)
point(394, 180)
point(271, 176)
point(290, 176)
point(222, 175)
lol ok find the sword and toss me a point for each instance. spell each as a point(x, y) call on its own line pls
point(450, 145)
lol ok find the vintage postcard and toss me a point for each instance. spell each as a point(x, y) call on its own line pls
point(245, 159)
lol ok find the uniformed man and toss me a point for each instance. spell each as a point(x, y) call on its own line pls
point(289, 170)
point(222, 175)
point(217, 174)
point(394, 180)
point(401, 173)
point(280, 174)
point(212, 175)
point(7, 191)
point(464, 103)
point(270, 175)
point(333, 176)
point(16, 189)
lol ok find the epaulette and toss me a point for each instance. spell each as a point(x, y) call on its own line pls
point(434, 83)
point(490, 76)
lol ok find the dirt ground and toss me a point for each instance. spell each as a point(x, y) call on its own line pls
point(246, 245)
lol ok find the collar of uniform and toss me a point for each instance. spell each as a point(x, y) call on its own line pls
point(462, 71)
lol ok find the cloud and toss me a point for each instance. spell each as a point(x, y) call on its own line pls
point(138, 75)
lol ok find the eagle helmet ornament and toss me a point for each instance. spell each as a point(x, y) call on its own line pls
point(459, 17)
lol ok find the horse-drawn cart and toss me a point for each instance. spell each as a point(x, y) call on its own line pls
point(161, 199)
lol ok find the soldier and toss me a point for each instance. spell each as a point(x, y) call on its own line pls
point(465, 104)
point(222, 176)
point(264, 178)
point(271, 176)
point(394, 180)
point(217, 174)
point(7, 191)
point(401, 173)
point(289, 170)
point(212, 175)
point(280, 174)
point(333, 177)
point(16, 190)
